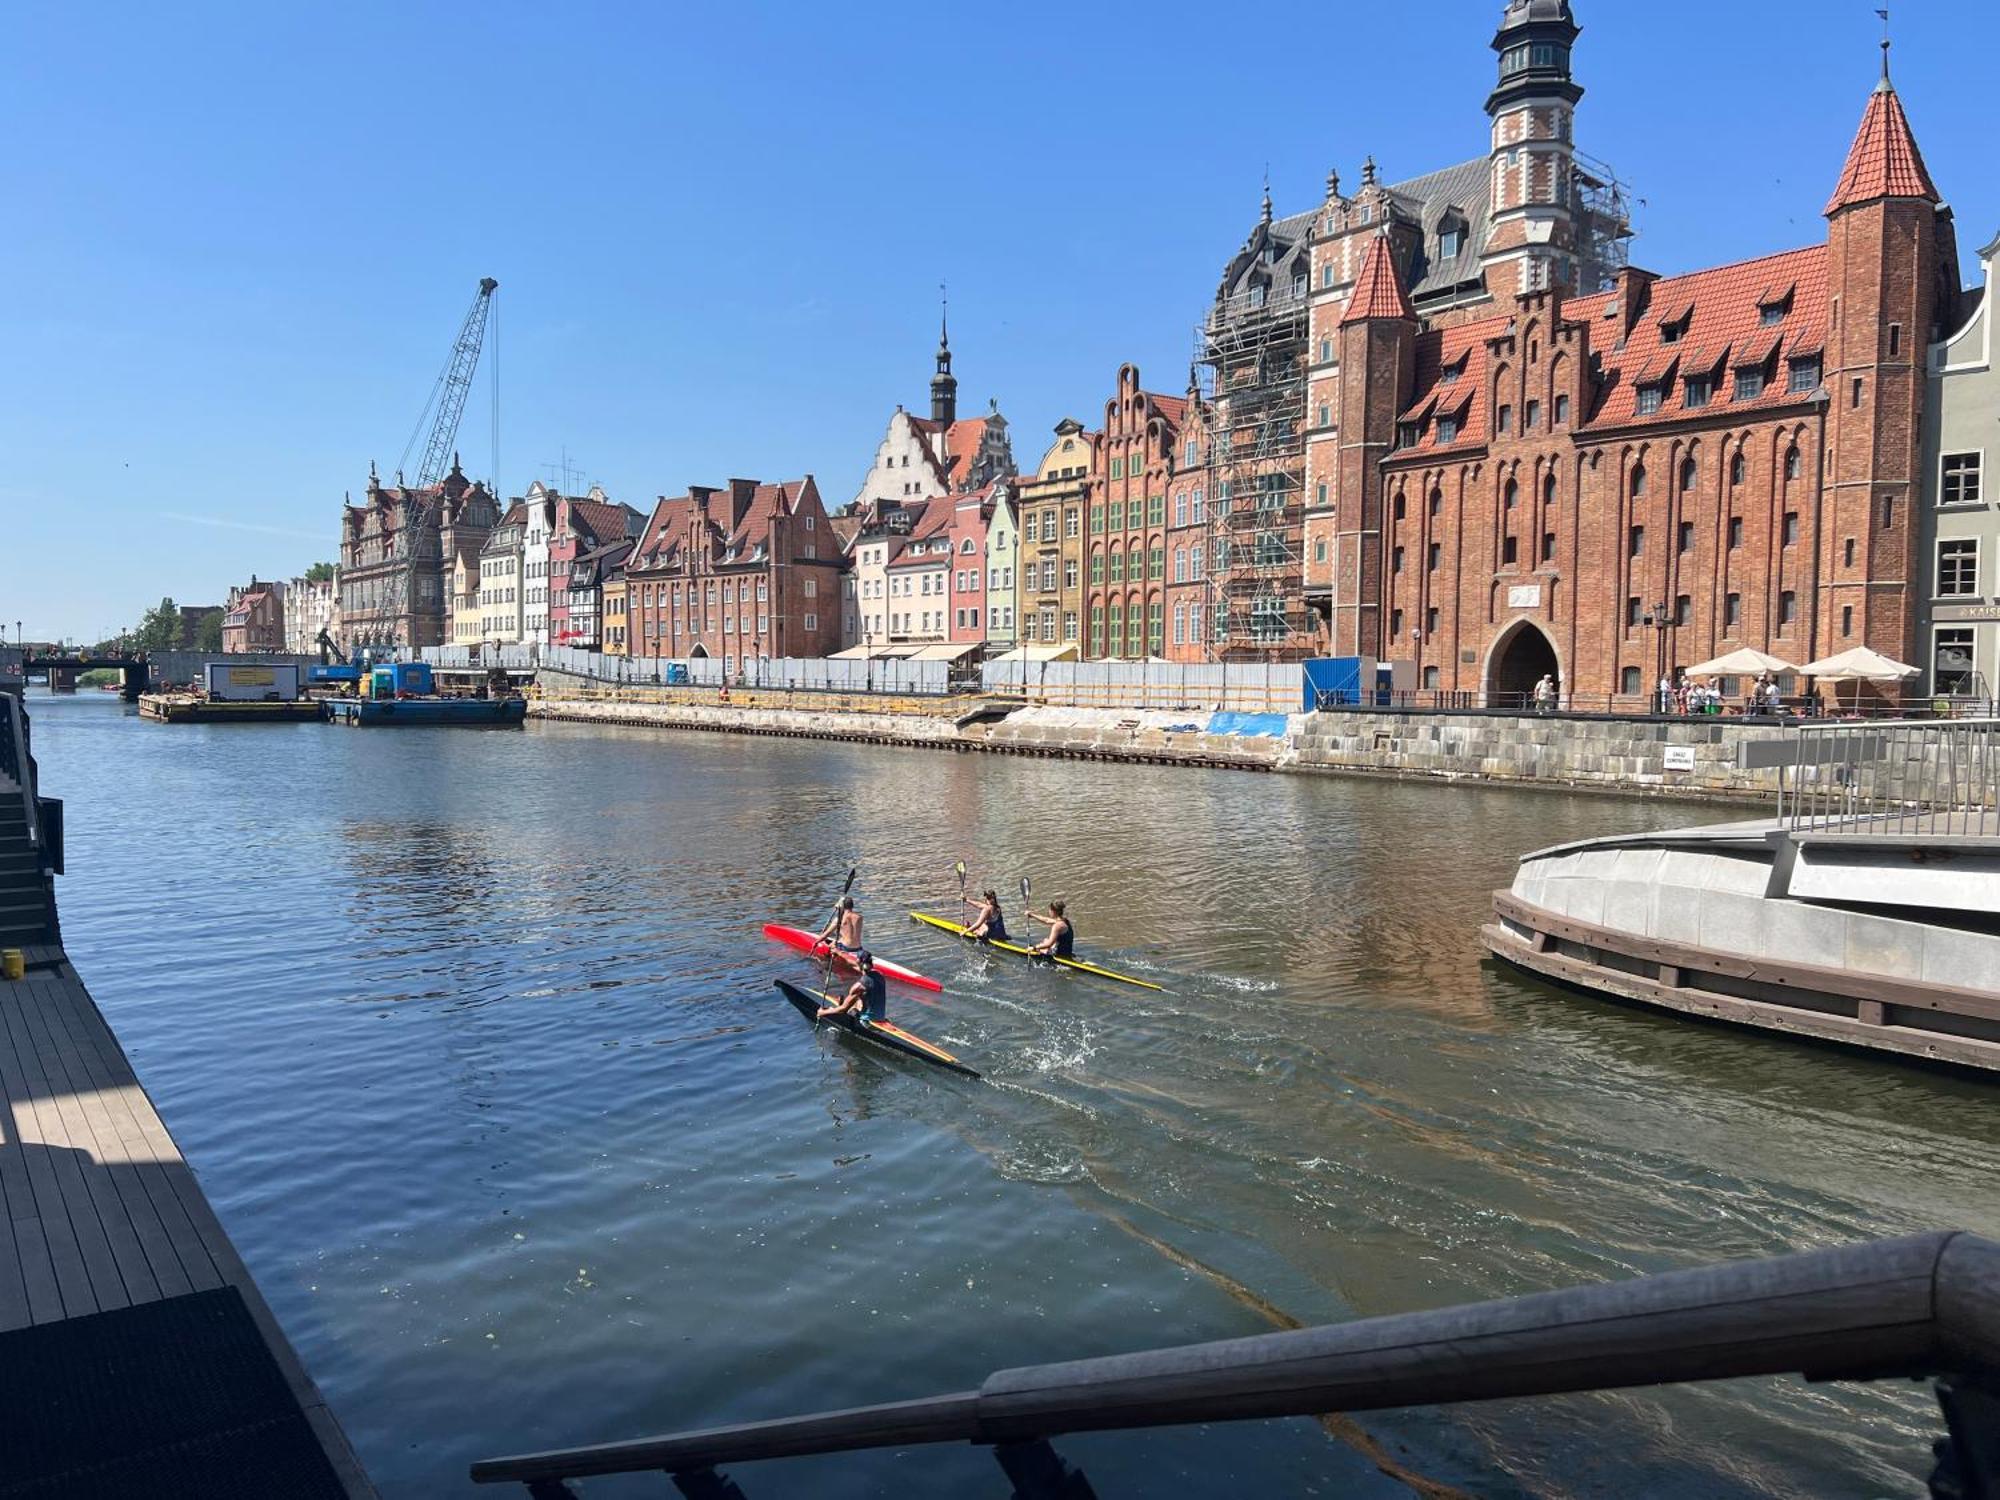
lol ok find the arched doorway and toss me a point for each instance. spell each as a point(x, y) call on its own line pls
point(1518, 661)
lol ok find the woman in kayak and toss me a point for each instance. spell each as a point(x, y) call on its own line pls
point(844, 928)
point(869, 993)
point(987, 922)
point(1061, 938)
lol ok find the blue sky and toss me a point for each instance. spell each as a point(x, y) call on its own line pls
point(242, 236)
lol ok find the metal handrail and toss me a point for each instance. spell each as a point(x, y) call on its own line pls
point(15, 729)
point(1906, 778)
point(1924, 1305)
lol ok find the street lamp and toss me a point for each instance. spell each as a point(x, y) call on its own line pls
point(1657, 618)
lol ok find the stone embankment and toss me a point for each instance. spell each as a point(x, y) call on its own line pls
point(1659, 757)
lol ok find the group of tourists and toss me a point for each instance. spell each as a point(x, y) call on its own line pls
point(1680, 695)
point(869, 994)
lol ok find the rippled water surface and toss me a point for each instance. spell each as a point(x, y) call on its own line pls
point(472, 1040)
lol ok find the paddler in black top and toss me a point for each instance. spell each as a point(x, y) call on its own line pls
point(869, 993)
point(987, 922)
point(844, 928)
point(1062, 937)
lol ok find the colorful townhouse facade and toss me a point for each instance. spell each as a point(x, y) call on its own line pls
point(582, 524)
point(736, 573)
point(1054, 502)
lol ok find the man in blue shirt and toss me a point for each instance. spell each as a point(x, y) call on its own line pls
point(869, 994)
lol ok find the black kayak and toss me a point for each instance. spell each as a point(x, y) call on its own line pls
point(884, 1034)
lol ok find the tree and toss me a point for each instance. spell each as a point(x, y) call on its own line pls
point(319, 572)
point(160, 627)
point(208, 631)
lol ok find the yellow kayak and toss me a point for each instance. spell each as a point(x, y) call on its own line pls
point(958, 929)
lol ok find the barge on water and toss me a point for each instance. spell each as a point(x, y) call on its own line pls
point(1863, 914)
point(192, 708)
point(403, 693)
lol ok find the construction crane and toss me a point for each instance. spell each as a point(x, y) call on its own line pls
point(447, 401)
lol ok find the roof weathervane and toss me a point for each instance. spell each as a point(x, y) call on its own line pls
point(1884, 14)
point(944, 317)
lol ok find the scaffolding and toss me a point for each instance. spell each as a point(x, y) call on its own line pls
point(1604, 224)
point(1253, 348)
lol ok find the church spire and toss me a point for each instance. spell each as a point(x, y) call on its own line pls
point(944, 385)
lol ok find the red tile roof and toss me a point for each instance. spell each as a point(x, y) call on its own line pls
point(1884, 161)
point(1377, 291)
point(602, 519)
point(1722, 307)
point(1463, 346)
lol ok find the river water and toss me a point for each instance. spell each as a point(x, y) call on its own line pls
point(472, 1041)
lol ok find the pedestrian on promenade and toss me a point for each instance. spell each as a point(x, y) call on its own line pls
point(1545, 691)
point(1663, 698)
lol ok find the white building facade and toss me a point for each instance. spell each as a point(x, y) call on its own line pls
point(1959, 608)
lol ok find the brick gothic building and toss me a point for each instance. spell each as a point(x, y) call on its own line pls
point(1125, 541)
point(1523, 478)
point(737, 573)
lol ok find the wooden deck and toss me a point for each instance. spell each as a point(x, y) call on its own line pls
point(98, 1210)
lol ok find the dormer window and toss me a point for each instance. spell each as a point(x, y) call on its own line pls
point(1447, 429)
point(1449, 373)
point(1257, 295)
point(1451, 238)
point(1406, 434)
point(1699, 389)
point(1650, 399)
point(1804, 377)
point(1270, 255)
point(1774, 306)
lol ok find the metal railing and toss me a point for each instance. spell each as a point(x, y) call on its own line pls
point(17, 761)
point(1934, 778)
point(1926, 1306)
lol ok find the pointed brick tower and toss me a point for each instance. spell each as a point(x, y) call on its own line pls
point(1891, 257)
point(1377, 341)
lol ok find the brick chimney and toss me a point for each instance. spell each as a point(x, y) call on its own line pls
point(1631, 290)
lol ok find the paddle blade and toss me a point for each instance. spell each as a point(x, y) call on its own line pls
point(1024, 890)
point(848, 884)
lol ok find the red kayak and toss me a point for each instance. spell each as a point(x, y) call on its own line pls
point(798, 937)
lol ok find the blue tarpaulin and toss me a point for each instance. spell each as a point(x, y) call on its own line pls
point(1231, 723)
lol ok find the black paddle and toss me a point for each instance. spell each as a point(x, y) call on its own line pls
point(826, 975)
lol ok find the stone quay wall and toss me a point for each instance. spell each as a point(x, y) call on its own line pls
point(1694, 758)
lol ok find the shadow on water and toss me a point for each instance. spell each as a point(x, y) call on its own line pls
point(526, 1151)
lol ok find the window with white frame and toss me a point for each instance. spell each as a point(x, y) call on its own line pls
point(1958, 479)
point(1957, 567)
point(1952, 662)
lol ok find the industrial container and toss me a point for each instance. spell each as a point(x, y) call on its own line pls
point(251, 683)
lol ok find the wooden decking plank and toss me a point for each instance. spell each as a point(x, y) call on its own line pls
point(146, 1124)
point(82, 1114)
point(38, 1272)
point(14, 1310)
point(111, 1116)
point(86, 1231)
point(145, 1135)
point(51, 1237)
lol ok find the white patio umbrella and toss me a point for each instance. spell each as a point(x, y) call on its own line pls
point(1859, 664)
point(1744, 661)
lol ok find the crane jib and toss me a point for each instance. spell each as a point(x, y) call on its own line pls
point(454, 385)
